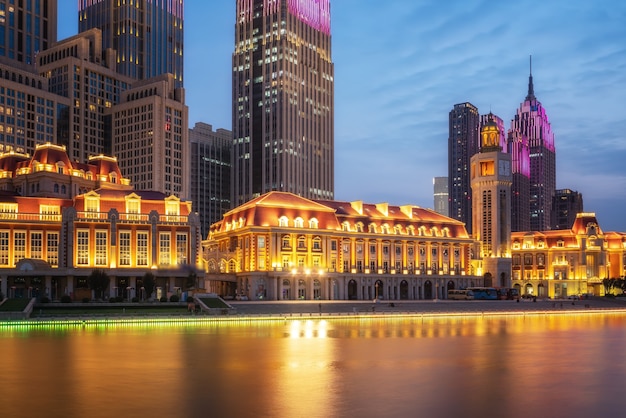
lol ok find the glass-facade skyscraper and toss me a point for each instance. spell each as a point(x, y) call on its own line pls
point(147, 35)
point(283, 99)
point(27, 28)
point(531, 122)
point(464, 122)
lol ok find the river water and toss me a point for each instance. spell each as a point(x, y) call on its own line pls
point(526, 366)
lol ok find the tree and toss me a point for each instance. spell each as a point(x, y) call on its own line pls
point(149, 283)
point(98, 281)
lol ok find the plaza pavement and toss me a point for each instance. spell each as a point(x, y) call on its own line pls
point(430, 306)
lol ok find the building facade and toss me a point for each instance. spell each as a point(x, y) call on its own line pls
point(531, 121)
point(491, 181)
point(565, 206)
point(463, 143)
point(26, 28)
point(280, 246)
point(150, 136)
point(562, 263)
point(60, 220)
point(210, 173)
point(517, 146)
point(283, 99)
point(440, 193)
point(147, 36)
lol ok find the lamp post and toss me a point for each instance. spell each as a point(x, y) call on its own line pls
point(376, 295)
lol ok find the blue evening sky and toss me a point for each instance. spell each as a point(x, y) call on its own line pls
point(400, 66)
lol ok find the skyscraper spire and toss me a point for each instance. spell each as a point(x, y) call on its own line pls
point(531, 89)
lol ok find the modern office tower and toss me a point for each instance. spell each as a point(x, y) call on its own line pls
point(531, 120)
point(29, 113)
point(146, 35)
point(81, 71)
point(150, 136)
point(440, 189)
point(462, 144)
point(210, 155)
point(283, 99)
point(566, 205)
point(491, 190)
point(26, 28)
point(517, 146)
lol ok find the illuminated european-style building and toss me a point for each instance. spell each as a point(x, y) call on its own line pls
point(280, 246)
point(60, 220)
point(283, 99)
point(562, 263)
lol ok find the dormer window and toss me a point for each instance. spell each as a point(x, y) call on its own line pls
point(298, 223)
point(172, 206)
point(113, 178)
point(283, 221)
point(60, 167)
point(133, 205)
point(313, 223)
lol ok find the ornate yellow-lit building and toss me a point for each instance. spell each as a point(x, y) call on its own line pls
point(280, 246)
point(562, 263)
point(60, 220)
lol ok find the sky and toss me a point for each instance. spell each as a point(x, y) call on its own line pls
point(401, 65)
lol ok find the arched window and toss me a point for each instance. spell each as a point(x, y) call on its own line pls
point(385, 229)
point(283, 221)
point(298, 223)
point(345, 226)
point(56, 188)
point(286, 242)
point(317, 244)
point(302, 242)
point(359, 227)
point(313, 223)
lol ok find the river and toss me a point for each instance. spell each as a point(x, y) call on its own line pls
point(568, 365)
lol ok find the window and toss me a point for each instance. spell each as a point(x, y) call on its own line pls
point(317, 244)
point(102, 248)
point(50, 212)
point(286, 242)
point(36, 245)
point(142, 248)
point(345, 226)
point(124, 248)
point(19, 246)
point(164, 249)
point(302, 243)
point(313, 223)
point(261, 242)
point(4, 248)
point(333, 245)
point(8, 211)
point(133, 206)
point(181, 248)
point(82, 247)
point(52, 249)
point(92, 203)
point(283, 221)
point(298, 223)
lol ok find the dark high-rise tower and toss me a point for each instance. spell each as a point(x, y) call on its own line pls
point(462, 144)
point(26, 28)
point(147, 35)
point(532, 122)
point(283, 99)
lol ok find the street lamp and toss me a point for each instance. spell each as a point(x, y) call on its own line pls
point(376, 286)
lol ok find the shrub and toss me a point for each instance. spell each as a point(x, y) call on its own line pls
point(45, 299)
point(174, 298)
point(135, 299)
point(86, 300)
point(66, 299)
point(163, 299)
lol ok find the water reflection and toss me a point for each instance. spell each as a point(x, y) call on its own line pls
point(534, 365)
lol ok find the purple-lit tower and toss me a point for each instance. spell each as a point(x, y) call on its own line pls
point(531, 124)
point(517, 146)
point(283, 99)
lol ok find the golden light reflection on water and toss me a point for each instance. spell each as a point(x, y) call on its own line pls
point(317, 367)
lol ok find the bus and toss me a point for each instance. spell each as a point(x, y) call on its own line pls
point(460, 294)
point(508, 293)
point(484, 293)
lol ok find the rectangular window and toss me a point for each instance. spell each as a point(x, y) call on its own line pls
point(52, 248)
point(181, 248)
point(36, 245)
point(125, 248)
point(164, 249)
point(261, 242)
point(102, 248)
point(50, 212)
point(4, 248)
point(142, 248)
point(82, 247)
point(19, 246)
